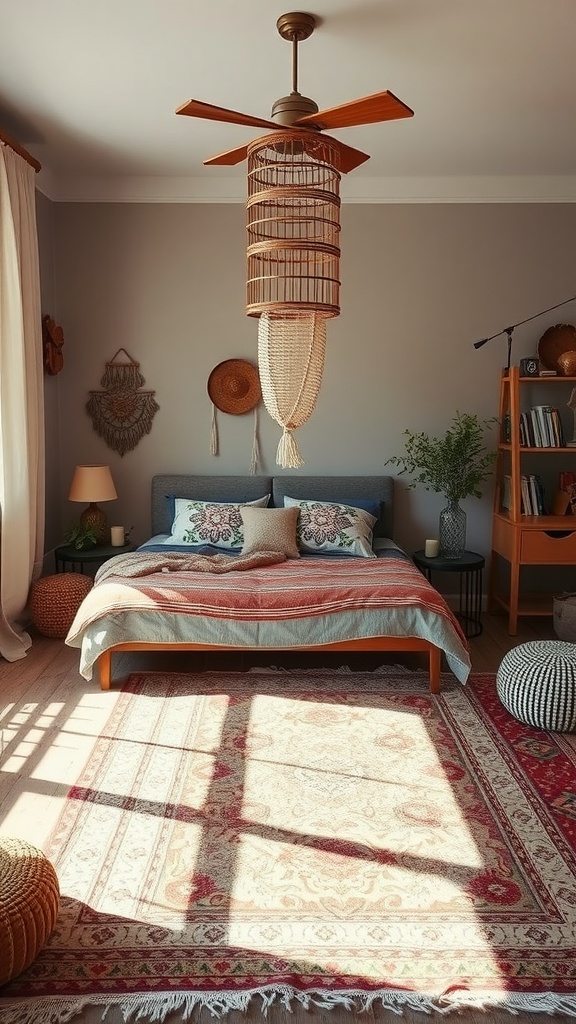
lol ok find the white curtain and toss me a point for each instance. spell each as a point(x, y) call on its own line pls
point(21, 401)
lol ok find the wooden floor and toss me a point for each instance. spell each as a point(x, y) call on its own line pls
point(49, 717)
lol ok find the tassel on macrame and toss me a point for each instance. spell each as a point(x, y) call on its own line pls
point(214, 433)
point(255, 460)
point(255, 457)
point(288, 453)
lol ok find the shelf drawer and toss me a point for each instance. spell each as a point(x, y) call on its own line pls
point(553, 548)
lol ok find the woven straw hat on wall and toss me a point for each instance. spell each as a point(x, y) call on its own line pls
point(234, 386)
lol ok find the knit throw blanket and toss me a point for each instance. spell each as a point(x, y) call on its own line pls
point(144, 563)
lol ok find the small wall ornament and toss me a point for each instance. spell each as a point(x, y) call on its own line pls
point(234, 388)
point(121, 414)
point(52, 342)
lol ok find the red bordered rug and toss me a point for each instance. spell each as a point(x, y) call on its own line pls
point(325, 837)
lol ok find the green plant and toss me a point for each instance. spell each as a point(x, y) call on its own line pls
point(455, 464)
point(81, 536)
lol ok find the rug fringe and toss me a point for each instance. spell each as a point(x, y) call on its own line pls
point(156, 1007)
point(380, 670)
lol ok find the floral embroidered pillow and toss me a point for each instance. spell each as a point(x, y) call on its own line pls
point(210, 522)
point(331, 528)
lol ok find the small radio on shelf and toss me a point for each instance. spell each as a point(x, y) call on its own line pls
point(529, 367)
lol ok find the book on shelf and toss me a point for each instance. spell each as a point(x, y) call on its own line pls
point(541, 427)
point(537, 495)
point(525, 494)
point(532, 494)
point(560, 440)
point(538, 414)
point(526, 431)
point(506, 492)
point(565, 480)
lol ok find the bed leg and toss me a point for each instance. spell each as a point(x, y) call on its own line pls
point(104, 664)
point(434, 669)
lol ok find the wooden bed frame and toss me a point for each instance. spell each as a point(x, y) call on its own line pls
point(247, 488)
point(397, 644)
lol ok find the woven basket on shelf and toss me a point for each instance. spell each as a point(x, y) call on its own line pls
point(565, 617)
point(54, 601)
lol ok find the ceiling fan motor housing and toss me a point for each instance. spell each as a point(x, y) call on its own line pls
point(294, 27)
point(288, 109)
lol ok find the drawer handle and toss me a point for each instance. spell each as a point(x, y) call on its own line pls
point(558, 534)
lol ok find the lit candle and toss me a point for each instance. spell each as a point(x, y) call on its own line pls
point(117, 536)
point(432, 548)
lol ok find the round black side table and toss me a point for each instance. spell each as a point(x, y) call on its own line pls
point(470, 566)
point(67, 554)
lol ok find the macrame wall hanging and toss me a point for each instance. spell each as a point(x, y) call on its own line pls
point(122, 413)
point(293, 282)
point(234, 388)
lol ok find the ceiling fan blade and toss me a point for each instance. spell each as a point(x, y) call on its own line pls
point(349, 158)
point(228, 159)
point(195, 108)
point(382, 106)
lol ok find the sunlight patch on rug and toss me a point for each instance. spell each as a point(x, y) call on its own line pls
point(321, 836)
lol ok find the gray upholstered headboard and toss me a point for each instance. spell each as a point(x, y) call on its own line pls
point(247, 488)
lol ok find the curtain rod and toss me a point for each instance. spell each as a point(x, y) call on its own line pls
point(4, 137)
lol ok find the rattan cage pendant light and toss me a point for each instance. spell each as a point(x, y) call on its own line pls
point(293, 260)
point(293, 229)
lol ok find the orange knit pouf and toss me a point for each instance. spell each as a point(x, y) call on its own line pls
point(54, 601)
point(29, 901)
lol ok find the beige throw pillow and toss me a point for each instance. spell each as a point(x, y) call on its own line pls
point(270, 529)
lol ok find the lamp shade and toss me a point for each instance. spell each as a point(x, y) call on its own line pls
point(92, 483)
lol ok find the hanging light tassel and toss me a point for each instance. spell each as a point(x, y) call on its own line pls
point(288, 453)
point(291, 353)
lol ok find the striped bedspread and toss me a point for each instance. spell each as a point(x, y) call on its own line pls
point(294, 588)
point(300, 602)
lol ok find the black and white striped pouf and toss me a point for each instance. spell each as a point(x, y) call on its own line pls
point(536, 683)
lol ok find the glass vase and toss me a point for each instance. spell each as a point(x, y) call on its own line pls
point(452, 531)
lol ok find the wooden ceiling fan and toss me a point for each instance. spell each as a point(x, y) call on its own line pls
point(298, 112)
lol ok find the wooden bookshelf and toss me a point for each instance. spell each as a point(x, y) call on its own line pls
point(518, 538)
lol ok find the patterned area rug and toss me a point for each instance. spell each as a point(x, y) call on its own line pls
point(334, 838)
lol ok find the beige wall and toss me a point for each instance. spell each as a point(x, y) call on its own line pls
point(420, 284)
point(53, 527)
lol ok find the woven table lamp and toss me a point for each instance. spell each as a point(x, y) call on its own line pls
point(293, 282)
point(93, 484)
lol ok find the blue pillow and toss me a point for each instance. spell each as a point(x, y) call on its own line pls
point(370, 505)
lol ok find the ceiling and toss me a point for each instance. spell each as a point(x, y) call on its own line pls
point(90, 87)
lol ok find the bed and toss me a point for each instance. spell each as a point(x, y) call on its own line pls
point(155, 599)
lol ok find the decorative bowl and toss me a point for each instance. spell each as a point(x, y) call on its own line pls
point(567, 363)
point(554, 342)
